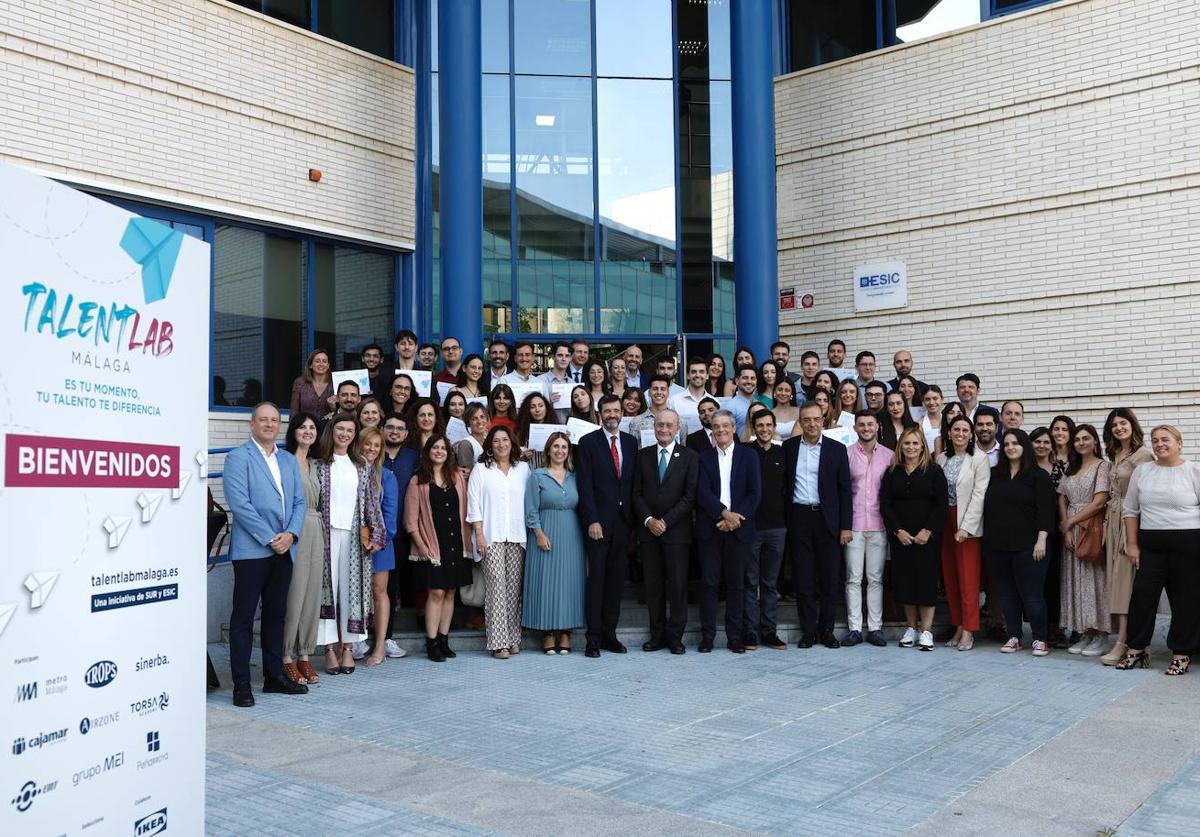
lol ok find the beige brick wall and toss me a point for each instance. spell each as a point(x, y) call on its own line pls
point(1040, 177)
point(209, 106)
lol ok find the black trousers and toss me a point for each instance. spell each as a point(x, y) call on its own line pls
point(1051, 590)
point(665, 567)
point(1022, 583)
point(1170, 559)
point(722, 555)
point(816, 568)
point(605, 578)
point(267, 579)
point(397, 579)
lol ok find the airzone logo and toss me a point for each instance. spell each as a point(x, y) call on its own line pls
point(100, 674)
point(155, 823)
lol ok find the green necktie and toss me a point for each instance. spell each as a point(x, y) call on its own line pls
point(662, 463)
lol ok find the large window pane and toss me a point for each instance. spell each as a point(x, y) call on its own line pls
point(494, 35)
point(353, 299)
point(554, 203)
point(633, 38)
point(720, 152)
point(924, 18)
point(829, 30)
point(258, 315)
point(435, 203)
point(636, 170)
point(553, 37)
point(365, 24)
point(497, 204)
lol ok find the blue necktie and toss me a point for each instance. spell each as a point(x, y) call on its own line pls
point(662, 463)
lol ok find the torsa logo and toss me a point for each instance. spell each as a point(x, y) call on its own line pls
point(100, 674)
point(148, 706)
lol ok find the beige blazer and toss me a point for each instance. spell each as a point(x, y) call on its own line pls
point(969, 489)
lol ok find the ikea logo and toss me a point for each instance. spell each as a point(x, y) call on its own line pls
point(155, 823)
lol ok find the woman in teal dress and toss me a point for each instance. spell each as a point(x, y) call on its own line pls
point(555, 566)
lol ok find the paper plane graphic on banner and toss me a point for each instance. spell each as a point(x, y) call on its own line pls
point(148, 504)
point(184, 478)
point(202, 461)
point(39, 586)
point(154, 246)
point(6, 613)
point(116, 526)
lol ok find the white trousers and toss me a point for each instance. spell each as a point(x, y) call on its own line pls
point(339, 571)
point(868, 550)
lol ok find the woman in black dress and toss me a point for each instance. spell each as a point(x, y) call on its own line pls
point(435, 513)
point(913, 501)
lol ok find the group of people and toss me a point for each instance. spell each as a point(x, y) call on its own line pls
point(1073, 530)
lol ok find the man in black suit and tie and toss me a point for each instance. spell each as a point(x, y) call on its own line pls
point(816, 489)
point(664, 492)
point(701, 440)
point(604, 465)
point(727, 493)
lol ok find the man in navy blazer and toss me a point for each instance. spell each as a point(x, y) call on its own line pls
point(816, 487)
point(266, 498)
point(604, 461)
point(728, 489)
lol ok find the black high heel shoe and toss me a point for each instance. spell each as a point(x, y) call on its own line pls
point(1179, 665)
point(1134, 659)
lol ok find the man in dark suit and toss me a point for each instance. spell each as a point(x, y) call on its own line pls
point(727, 494)
point(664, 492)
point(816, 489)
point(604, 461)
point(701, 440)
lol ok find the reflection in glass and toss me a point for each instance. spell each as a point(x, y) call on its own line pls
point(365, 24)
point(553, 37)
point(633, 38)
point(554, 203)
point(924, 18)
point(720, 150)
point(493, 27)
point(435, 203)
point(636, 170)
point(829, 30)
point(352, 301)
point(497, 205)
point(259, 310)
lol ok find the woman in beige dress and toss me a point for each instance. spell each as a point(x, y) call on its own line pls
point(1083, 494)
point(304, 593)
point(1125, 450)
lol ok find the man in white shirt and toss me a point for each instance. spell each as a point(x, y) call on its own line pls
point(497, 363)
point(687, 402)
point(747, 385)
point(967, 388)
point(633, 365)
point(658, 393)
point(986, 442)
point(560, 373)
point(523, 365)
point(666, 367)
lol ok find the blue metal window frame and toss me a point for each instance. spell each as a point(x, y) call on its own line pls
point(988, 10)
point(885, 27)
point(402, 18)
point(400, 263)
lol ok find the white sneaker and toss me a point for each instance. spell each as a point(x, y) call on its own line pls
point(1097, 647)
point(925, 641)
point(1040, 649)
point(1078, 647)
point(909, 639)
point(359, 649)
point(1011, 647)
point(393, 651)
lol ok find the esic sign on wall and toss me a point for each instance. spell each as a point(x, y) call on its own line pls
point(880, 285)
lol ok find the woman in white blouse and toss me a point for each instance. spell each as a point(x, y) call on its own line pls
point(354, 529)
point(1162, 539)
point(967, 475)
point(496, 512)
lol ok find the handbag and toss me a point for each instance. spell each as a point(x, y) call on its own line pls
point(472, 594)
point(1089, 543)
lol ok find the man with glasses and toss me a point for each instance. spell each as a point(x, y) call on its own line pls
point(451, 361)
point(402, 462)
point(372, 361)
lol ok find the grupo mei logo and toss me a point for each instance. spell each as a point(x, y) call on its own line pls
point(100, 674)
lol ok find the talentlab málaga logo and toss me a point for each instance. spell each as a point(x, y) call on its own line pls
point(30, 791)
point(100, 674)
point(114, 324)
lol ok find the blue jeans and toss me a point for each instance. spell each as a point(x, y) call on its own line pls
point(762, 575)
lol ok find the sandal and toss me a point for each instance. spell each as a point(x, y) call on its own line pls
point(331, 667)
point(308, 671)
point(1179, 665)
point(514, 649)
point(1134, 659)
point(346, 652)
point(500, 654)
point(371, 661)
point(292, 673)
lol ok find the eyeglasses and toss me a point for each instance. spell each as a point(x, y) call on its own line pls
point(391, 428)
point(451, 348)
point(402, 388)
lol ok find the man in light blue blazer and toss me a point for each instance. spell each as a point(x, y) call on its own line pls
point(266, 497)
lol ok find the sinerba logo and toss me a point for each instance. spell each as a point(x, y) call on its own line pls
point(146, 663)
point(155, 823)
point(100, 674)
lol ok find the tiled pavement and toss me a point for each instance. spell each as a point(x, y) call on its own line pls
point(1173, 810)
point(867, 740)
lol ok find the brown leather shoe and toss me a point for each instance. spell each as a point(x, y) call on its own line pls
point(292, 673)
point(308, 671)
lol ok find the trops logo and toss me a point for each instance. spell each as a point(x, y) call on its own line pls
point(100, 674)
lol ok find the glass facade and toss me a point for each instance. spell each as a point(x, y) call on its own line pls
point(369, 25)
point(602, 140)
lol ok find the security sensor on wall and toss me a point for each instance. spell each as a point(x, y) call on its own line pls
point(314, 175)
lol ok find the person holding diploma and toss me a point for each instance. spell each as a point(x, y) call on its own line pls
point(554, 555)
point(582, 406)
point(535, 409)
